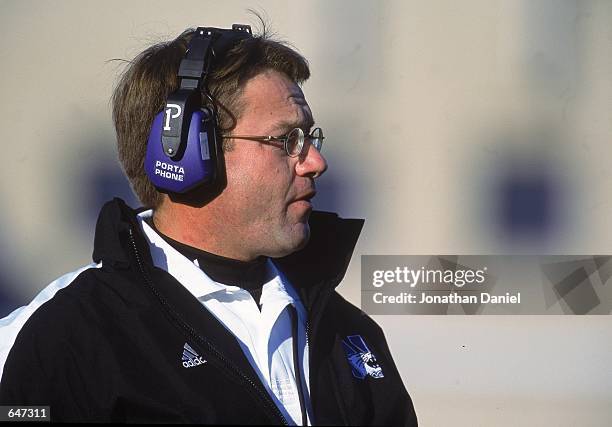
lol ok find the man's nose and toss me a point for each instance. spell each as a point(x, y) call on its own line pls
point(312, 163)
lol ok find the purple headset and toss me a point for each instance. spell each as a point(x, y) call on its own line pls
point(182, 149)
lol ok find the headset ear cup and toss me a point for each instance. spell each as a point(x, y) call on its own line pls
point(195, 167)
point(210, 147)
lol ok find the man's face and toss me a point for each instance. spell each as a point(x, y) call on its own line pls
point(267, 199)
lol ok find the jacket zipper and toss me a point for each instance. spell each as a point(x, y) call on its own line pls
point(296, 363)
point(314, 316)
point(265, 398)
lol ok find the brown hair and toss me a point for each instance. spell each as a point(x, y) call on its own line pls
point(150, 77)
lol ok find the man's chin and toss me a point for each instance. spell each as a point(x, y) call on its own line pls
point(297, 239)
point(305, 238)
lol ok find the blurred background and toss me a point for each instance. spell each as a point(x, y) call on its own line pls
point(475, 127)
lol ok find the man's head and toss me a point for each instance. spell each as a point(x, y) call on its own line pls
point(255, 87)
point(267, 190)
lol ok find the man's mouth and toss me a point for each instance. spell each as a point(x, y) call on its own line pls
point(305, 198)
point(304, 202)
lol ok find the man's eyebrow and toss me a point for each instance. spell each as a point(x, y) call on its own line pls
point(289, 125)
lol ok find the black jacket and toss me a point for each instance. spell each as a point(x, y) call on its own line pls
point(107, 347)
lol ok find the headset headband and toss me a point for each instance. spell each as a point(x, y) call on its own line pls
point(206, 45)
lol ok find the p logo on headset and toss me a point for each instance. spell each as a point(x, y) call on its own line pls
point(182, 149)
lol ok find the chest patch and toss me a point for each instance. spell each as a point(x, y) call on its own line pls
point(191, 358)
point(362, 360)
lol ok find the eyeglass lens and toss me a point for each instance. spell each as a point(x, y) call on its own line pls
point(295, 141)
point(317, 139)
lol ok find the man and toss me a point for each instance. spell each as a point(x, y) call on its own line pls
point(217, 305)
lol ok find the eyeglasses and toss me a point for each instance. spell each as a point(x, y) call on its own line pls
point(293, 142)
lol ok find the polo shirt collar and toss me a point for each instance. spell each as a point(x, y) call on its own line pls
point(191, 276)
point(167, 258)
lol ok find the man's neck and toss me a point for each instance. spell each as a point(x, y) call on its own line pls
point(201, 230)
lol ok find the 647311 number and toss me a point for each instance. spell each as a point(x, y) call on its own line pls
point(29, 413)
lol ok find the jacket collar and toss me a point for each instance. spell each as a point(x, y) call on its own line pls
point(321, 264)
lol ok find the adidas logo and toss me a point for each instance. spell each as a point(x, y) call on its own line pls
point(191, 358)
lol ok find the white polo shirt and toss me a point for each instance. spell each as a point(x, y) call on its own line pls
point(265, 336)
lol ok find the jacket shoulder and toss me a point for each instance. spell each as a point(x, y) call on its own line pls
point(11, 325)
point(61, 341)
point(351, 315)
point(79, 306)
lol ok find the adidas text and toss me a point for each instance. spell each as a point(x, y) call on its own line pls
point(194, 362)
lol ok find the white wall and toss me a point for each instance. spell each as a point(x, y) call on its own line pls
point(415, 98)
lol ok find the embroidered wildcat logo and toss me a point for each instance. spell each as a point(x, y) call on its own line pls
point(363, 362)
